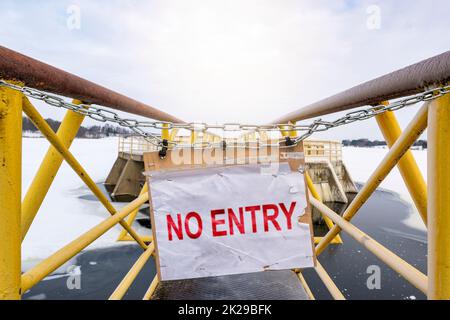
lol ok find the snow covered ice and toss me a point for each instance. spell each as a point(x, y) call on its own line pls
point(63, 215)
point(361, 162)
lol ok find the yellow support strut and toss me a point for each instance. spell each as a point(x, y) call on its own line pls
point(131, 218)
point(47, 266)
point(128, 280)
point(402, 145)
point(10, 192)
point(439, 202)
point(48, 169)
point(151, 289)
point(165, 133)
point(43, 126)
point(407, 165)
point(316, 195)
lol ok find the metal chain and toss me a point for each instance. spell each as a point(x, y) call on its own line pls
point(104, 115)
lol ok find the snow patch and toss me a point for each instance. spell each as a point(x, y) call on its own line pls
point(361, 162)
point(63, 215)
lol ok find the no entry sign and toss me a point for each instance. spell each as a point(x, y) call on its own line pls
point(229, 220)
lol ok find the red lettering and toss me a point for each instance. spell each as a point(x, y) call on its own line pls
point(239, 223)
point(176, 227)
point(215, 222)
point(197, 217)
point(288, 214)
point(272, 218)
point(253, 210)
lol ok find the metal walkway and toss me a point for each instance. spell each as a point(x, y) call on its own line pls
point(269, 285)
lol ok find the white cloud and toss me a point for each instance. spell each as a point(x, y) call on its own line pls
point(229, 61)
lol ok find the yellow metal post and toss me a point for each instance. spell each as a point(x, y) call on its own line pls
point(410, 273)
point(10, 192)
point(439, 202)
point(292, 133)
point(285, 132)
point(306, 286)
point(173, 134)
point(407, 165)
point(47, 266)
point(128, 280)
point(48, 169)
point(151, 289)
point(316, 195)
point(131, 218)
point(328, 282)
point(165, 133)
point(193, 137)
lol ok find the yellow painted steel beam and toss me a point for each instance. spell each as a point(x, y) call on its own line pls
point(312, 188)
point(132, 217)
point(47, 266)
point(317, 196)
point(151, 289)
point(328, 282)
point(292, 133)
point(402, 145)
point(334, 241)
point(127, 238)
point(306, 286)
point(407, 165)
point(193, 136)
point(51, 136)
point(10, 192)
point(49, 168)
point(439, 199)
point(128, 280)
point(407, 271)
point(165, 133)
point(285, 132)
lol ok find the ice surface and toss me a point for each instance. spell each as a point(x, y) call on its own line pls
point(63, 215)
point(361, 162)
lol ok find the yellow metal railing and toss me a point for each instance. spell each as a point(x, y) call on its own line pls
point(399, 154)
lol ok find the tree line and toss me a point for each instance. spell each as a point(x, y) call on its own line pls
point(92, 132)
point(366, 143)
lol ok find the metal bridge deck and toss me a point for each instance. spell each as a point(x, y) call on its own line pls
point(269, 285)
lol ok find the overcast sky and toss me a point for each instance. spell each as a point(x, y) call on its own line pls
point(229, 61)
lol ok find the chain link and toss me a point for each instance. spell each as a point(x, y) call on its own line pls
point(136, 126)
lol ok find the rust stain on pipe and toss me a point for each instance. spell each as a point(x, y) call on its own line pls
point(39, 75)
point(408, 81)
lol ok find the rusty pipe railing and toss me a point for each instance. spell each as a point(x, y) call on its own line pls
point(39, 75)
point(408, 81)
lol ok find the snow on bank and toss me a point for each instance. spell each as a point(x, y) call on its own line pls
point(63, 215)
point(361, 162)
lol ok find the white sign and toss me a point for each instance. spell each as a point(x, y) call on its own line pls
point(229, 220)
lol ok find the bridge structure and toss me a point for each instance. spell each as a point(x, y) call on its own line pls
point(24, 80)
point(323, 162)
